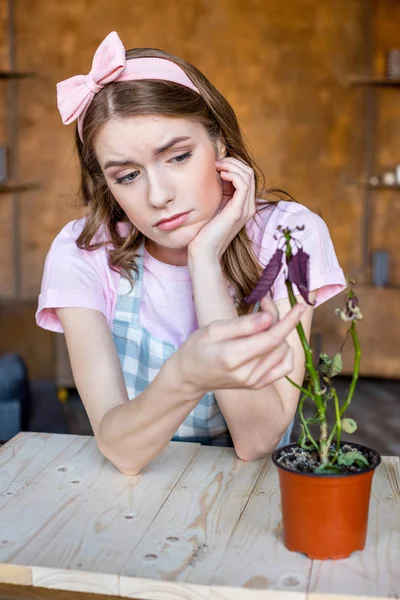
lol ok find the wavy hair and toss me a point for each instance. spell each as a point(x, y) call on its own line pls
point(144, 97)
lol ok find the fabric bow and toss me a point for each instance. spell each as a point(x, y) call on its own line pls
point(76, 93)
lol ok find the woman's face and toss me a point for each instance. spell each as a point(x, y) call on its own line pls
point(157, 167)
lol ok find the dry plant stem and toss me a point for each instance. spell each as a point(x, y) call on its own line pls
point(301, 404)
point(317, 392)
point(304, 422)
point(338, 426)
point(356, 370)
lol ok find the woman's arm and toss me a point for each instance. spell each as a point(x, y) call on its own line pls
point(257, 419)
point(221, 355)
point(129, 434)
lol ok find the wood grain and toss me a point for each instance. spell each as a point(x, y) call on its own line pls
point(198, 523)
point(187, 539)
point(24, 592)
point(256, 545)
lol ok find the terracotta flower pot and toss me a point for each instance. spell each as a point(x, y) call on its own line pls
point(325, 516)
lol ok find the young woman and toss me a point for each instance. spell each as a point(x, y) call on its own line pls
point(149, 285)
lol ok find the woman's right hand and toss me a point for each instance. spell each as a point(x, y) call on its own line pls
point(244, 352)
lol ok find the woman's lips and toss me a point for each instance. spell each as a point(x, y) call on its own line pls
point(173, 223)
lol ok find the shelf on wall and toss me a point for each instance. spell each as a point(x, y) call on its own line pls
point(375, 81)
point(380, 186)
point(11, 187)
point(16, 75)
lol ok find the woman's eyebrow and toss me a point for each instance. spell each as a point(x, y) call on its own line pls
point(126, 161)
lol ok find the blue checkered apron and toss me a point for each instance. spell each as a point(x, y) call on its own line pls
point(142, 355)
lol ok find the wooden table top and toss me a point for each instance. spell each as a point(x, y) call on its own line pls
point(198, 523)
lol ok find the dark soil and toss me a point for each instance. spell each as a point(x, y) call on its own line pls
point(305, 461)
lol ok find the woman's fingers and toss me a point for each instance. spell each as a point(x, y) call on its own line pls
point(278, 372)
point(259, 344)
point(238, 327)
point(241, 189)
point(238, 163)
point(273, 359)
point(246, 174)
point(268, 305)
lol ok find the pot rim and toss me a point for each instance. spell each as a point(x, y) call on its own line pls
point(336, 475)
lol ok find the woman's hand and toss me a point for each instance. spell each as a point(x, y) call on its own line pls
point(244, 352)
point(237, 207)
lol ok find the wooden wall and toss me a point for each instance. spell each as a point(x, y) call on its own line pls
point(284, 66)
point(386, 216)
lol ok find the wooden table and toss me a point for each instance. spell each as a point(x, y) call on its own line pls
point(197, 524)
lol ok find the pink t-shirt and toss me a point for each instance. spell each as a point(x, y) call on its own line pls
point(79, 278)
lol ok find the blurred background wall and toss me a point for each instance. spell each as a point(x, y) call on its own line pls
point(288, 70)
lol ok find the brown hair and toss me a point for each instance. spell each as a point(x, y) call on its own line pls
point(123, 99)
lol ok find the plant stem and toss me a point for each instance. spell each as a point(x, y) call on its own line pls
point(304, 423)
point(356, 370)
point(308, 354)
point(338, 425)
point(356, 367)
point(306, 392)
point(317, 392)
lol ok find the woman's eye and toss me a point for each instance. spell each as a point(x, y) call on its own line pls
point(182, 157)
point(130, 178)
point(127, 179)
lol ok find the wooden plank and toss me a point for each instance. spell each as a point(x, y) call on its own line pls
point(255, 557)
point(85, 516)
point(24, 592)
point(148, 589)
point(25, 455)
point(190, 533)
point(197, 524)
point(374, 572)
point(21, 459)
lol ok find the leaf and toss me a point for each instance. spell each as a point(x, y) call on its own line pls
point(267, 278)
point(349, 458)
point(337, 365)
point(324, 363)
point(349, 425)
point(330, 366)
point(298, 273)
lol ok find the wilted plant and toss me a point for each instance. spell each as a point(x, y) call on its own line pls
point(318, 383)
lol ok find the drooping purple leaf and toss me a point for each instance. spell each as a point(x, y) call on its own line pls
point(298, 273)
point(267, 278)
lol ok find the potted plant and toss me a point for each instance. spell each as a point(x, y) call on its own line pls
point(325, 482)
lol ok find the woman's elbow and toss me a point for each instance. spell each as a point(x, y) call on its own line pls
point(129, 470)
point(250, 453)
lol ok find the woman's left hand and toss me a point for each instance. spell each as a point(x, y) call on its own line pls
point(237, 207)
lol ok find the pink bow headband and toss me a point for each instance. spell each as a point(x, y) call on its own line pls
point(109, 64)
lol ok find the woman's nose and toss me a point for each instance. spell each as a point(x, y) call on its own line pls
point(160, 190)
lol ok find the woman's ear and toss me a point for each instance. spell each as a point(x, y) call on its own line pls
point(221, 148)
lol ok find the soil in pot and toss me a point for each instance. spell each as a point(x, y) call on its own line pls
point(324, 515)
